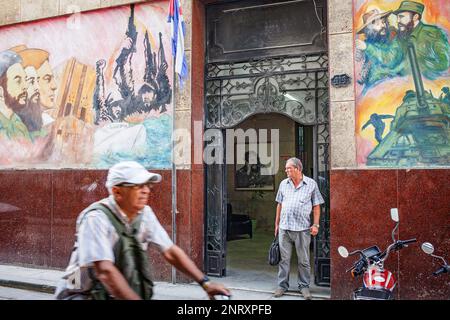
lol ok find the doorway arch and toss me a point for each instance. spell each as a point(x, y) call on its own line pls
point(265, 57)
point(294, 86)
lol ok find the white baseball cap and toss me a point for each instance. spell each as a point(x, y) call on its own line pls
point(130, 172)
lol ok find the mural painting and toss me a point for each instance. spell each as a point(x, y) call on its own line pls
point(402, 72)
point(87, 94)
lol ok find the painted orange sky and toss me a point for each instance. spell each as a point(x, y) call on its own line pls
point(437, 12)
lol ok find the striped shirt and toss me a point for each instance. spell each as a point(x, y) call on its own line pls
point(96, 238)
point(297, 203)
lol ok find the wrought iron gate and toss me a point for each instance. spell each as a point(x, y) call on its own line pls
point(265, 56)
point(322, 276)
point(295, 86)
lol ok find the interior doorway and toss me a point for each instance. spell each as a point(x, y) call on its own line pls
point(276, 78)
point(251, 208)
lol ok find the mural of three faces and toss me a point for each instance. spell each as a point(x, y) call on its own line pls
point(402, 60)
point(87, 90)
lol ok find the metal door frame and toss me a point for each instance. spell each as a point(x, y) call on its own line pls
point(232, 99)
point(260, 83)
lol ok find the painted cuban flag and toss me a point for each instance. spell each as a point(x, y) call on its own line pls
point(178, 32)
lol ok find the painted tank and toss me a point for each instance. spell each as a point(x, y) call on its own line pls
point(420, 131)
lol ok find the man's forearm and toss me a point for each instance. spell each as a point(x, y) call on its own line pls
point(182, 262)
point(316, 214)
point(114, 281)
point(277, 216)
point(179, 259)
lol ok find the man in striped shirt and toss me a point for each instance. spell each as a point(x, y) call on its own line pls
point(297, 196)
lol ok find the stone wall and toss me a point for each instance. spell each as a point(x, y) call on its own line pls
point(342, 100)
point(361, 198)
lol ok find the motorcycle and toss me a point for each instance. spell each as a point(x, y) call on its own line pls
point(378, 282)
point(428, 248)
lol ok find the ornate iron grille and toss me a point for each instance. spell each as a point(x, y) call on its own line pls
point(216, 214)
point(322, 176)
point(296, 86)
point(286, 85)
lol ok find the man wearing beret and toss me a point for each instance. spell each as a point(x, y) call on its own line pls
point(430, 42)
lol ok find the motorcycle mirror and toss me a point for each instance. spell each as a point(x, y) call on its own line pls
point(394, 214)
point(343, 252)
point(427, 247)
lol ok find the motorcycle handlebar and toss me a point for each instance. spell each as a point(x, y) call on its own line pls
point(400, 244)
point(408, 241)
point(357, 268)
point(355, 252)
point(396, 246)
point(438, 272)
point(360, 265)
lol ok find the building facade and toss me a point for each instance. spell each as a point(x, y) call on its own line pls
point(344, 95)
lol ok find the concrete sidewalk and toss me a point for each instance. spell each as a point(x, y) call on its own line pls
point(45, 280)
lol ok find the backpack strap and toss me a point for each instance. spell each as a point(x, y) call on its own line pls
point(115, 220)
point(127, 238)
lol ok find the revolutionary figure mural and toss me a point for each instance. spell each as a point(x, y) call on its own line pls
point(402, 69)
point(89, 94)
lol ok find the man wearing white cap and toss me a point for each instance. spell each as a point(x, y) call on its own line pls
point(109, 260)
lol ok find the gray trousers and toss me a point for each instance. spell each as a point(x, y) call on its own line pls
point(301, 241)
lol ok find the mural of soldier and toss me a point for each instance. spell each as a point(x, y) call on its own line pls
point(13, 96)
point(32, 60)
point(376, 120)
point(154, 94)
point(416, 97)
point(47, 85)
point(381, 52)
point(431, 43)
point(445, 95)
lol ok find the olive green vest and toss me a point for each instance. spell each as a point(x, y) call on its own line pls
point(129, 257)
